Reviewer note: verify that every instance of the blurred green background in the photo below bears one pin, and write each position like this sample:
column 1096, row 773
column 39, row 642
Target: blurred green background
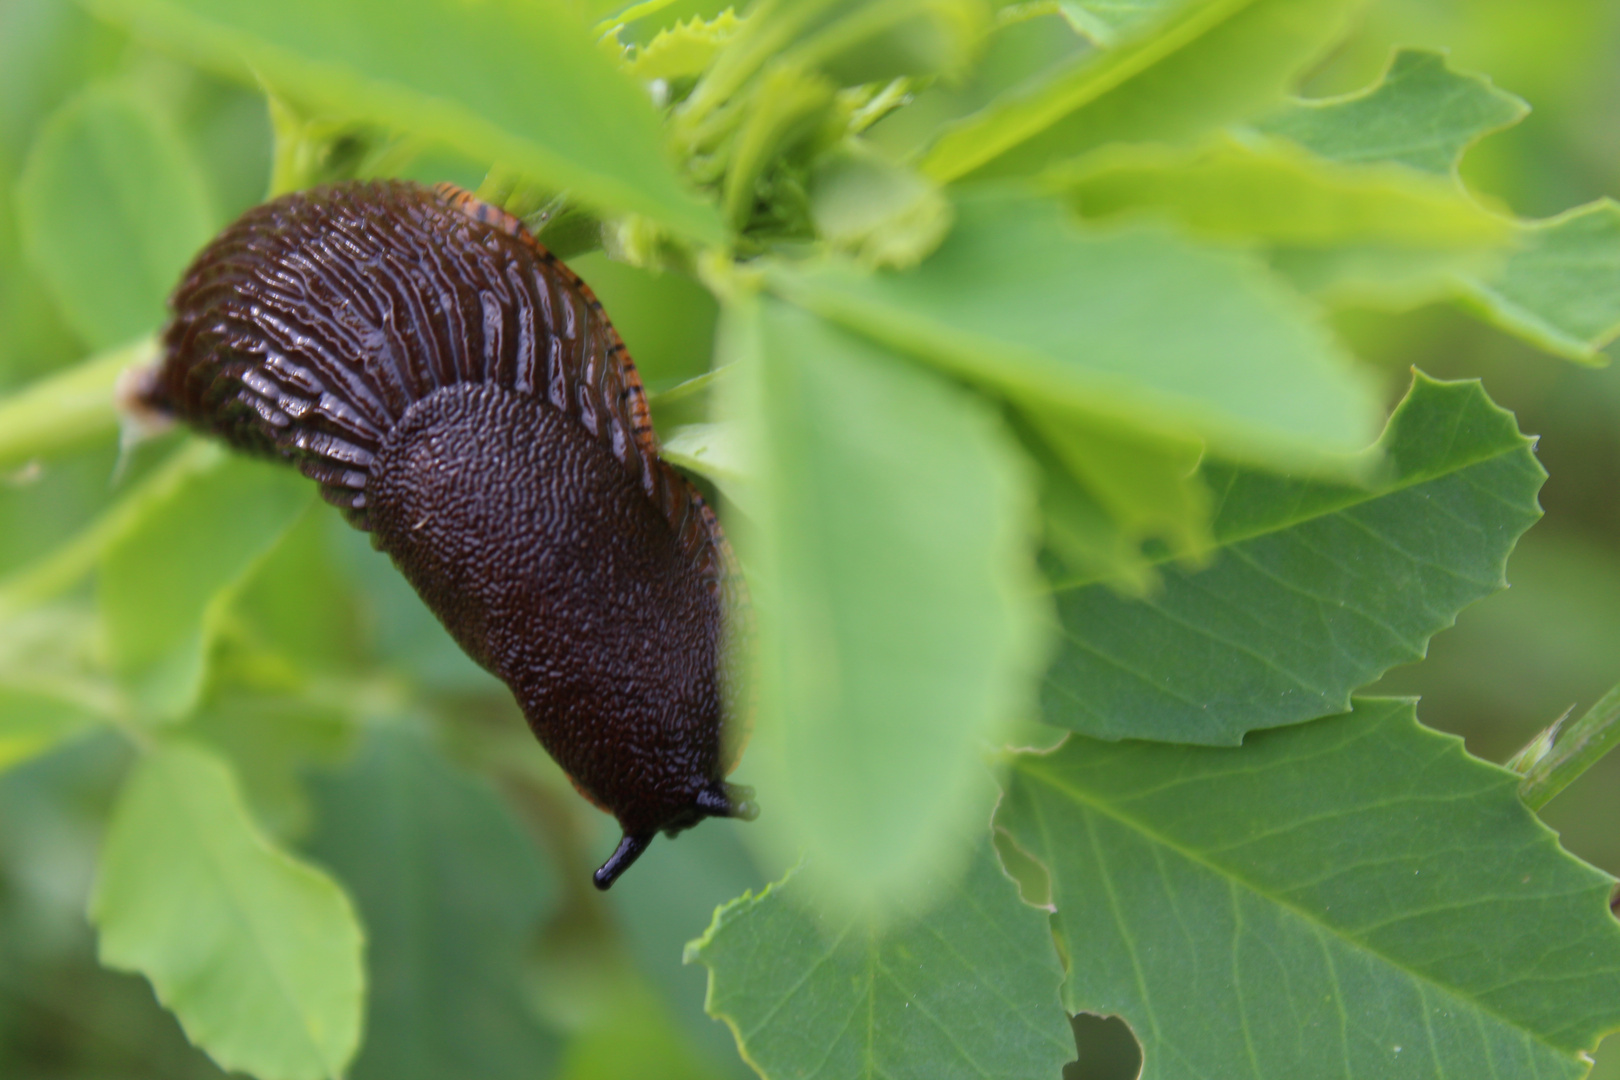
column 1513, row 664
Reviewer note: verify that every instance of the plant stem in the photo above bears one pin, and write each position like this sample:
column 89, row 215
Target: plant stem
column 1580, row 747
column 70, row 562
column 67, row 409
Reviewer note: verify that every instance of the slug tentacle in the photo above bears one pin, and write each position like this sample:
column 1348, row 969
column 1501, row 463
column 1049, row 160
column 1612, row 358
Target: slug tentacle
column 458, row 392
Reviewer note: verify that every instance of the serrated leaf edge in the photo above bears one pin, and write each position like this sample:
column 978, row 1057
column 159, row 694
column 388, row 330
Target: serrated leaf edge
column 1506, row 782
column 288, row 863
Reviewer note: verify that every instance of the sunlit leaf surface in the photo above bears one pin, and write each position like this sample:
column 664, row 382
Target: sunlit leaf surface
column 1137, row 326
column 512, row 82
column 1421, row 114
column 963, row 988
column 1271, row 191
column 898, row 615
column 1561, row 289
column 1350, row 898
column 1313, row 589
column 113, row 208
column 256, row 953
column 1213, row 63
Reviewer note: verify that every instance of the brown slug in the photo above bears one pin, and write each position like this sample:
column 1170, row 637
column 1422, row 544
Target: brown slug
column 459, row 393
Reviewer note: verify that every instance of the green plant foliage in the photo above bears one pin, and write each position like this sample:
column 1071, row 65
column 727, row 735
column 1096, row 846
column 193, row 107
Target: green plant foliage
column 963, row 987
column 712, row 452
column 683, row 50
column 1313, row 589
column 510, row 82
column 879, row 681
column 166, row 579
column 1146, row 489
column 1027, row 350
column 1353, row 897
column 450, row 889
column 686, row 883
column 1557, row 288
column 1561, row 288
column 1421, row 117
column 67, row 410
column 257, row 954
column 1421, row 114
column 113, row 207
column 1214, row 62
column 1063, row 322
column 33, row 719
column 274, row 738
column 772, row 102
column 1272, row 192
column 1108, row 21
column 882, row 213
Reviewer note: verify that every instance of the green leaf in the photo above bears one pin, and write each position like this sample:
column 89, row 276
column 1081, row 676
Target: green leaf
column 73, row 558
column 1212, row 63
column 714, row 452
column 298, row 605
column 784, row 106
column 47, row 51
column 1389, row 276
column 666, row 320
column 167, row 577
column 33, row 719
column 678, row 888
column 1350, row 898
column 1315, row 588
column 1108, row 22
column 683, row 50
column 518, row 83
column 452, row 891
column 898, row 615
column 769, row 71
column 1134, row 327
column 1079, row 531
column 273, row 736
column 1149, row 488
column 256, row 953
column 1270, row 190
column 1421, row 114
column 1561, row 289
column 113, row 207
column 882, row 213
column 68, row 409
column 55, row 650
column 634, row 1035
column 961, row 987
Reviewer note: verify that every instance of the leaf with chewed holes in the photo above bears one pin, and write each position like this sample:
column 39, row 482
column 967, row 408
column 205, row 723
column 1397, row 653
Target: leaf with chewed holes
column 963, row 987
column 1351, row 898
column 1312, row 588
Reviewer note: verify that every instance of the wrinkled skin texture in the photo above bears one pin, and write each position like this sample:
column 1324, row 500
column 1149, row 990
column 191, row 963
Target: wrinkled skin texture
column 569, row 587
column 459, row 393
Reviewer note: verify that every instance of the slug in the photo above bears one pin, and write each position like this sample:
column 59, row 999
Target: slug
column 461, row 395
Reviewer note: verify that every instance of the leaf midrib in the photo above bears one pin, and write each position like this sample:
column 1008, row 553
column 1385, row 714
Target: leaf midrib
column 1164, row 842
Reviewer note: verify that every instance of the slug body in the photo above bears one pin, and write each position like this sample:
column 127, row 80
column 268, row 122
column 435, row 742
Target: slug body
column 461, row 395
